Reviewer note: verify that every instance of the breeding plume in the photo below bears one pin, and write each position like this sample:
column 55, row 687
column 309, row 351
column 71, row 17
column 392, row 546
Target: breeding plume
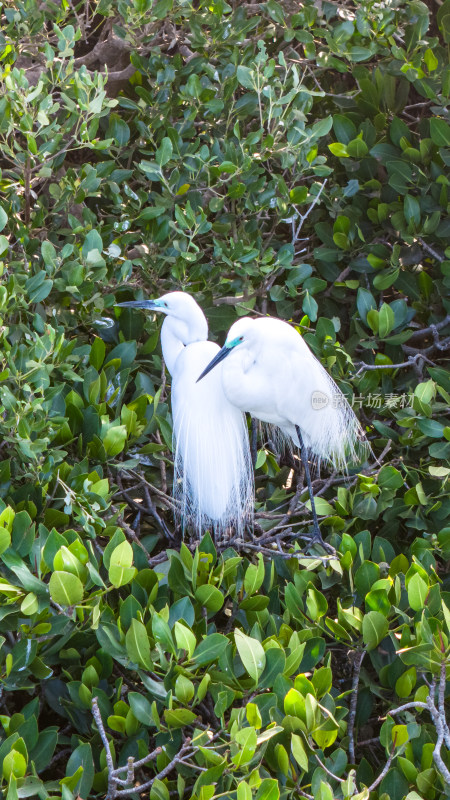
column 269, row 371
column 213, row 477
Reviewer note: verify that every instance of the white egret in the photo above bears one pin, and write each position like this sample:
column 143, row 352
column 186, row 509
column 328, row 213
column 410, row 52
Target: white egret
column 271, row 373
column 213, row 476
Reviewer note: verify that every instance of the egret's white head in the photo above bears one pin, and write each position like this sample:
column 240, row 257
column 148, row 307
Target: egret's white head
column 175, row 304
column 241, row 333
column 190, row 321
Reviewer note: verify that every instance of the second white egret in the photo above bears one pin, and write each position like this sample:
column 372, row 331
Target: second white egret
column 271, row 373
column 213, row 476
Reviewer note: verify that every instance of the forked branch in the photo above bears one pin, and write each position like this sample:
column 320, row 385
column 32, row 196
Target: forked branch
column 114, row 780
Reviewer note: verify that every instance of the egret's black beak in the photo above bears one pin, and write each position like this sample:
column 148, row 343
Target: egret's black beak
column 216, row 360
column 147, row 305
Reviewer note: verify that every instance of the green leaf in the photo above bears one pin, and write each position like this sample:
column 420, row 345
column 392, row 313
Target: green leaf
column 138, row 645
column 5, row 540
column 269, row 789
column 244, row 791
column 344, row 128
column 310, row 307
column 294, row 704
column 374, row 628
column 298, row 194
column 162, row 633
column 386, row 320
column 118, row 130
column 431, row 427
column 82, row 758
column 246, row 740
column 14, row 765
column 210, row 597
column 65, row 588
column 245, row 77
column 114, row 440
column 179, row 718
column 3, row 218
column 164, row 152
column 299, row 752
column 48, row 253
column 254, row 576
column 159, row 790
column 141, row 708
column 251, row 653
column 440, row 132
column 97, row 354
column 411, row 209
column 4, row 244
column 184, row 638
column 417, row 592
column 316, row 603
column 120, row 570
column 389, row 478
column 210, row 649
column 357, row 148
column 360, row 53
column 338, row 149
column 365, row 302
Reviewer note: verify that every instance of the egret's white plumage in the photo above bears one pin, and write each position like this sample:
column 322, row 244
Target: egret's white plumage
column 213, row 479
column 269, row 371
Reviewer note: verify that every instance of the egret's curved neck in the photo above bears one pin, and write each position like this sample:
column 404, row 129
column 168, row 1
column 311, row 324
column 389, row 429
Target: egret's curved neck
column 177, row 333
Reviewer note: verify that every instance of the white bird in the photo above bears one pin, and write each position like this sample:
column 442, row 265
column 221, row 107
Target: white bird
column 271, row 373
column 213, row 476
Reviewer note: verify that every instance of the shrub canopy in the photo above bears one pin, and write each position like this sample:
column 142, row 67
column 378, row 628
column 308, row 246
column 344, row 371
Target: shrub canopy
column 267, row 157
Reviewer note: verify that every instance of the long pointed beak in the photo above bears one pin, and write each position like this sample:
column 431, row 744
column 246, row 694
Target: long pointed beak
column 148, row 305
column 216, row 360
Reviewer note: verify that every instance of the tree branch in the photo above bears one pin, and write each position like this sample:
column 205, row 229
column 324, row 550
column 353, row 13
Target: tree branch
column 354, row 699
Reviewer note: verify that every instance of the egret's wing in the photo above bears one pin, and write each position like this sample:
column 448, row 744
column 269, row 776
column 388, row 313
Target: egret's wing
column 213, row 471
column 312, row 400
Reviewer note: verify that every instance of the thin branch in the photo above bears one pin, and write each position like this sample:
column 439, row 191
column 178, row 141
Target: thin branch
column 383, row 772
column 186, row 752
column 438, row 717
column 430, row 250
column 328, row 771
column 296, row 231
column 438, row 344
column 412, row 360
column 422, row 333
column 354, row 699
column 439, row 725
column 109, row 759
column 155, row 514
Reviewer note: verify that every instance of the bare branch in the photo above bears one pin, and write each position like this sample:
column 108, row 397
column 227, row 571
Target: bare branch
column 296, row 230
column 186, row 752
column 412, row 360
column 430, row 250
column 439, row 720
column 112, row 783
column 383, row 772
column 422, row 333
column 354, row 699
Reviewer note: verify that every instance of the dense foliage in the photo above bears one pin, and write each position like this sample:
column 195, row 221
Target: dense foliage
column 272, row 157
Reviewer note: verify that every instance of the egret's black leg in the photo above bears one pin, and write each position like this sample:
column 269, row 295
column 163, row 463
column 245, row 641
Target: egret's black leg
column 304, row 456
column 254, row 440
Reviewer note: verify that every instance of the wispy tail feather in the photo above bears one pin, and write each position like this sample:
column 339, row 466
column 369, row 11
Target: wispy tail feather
column 213, row 477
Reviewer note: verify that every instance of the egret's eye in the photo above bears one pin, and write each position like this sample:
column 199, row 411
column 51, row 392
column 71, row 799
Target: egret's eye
column 241, row 338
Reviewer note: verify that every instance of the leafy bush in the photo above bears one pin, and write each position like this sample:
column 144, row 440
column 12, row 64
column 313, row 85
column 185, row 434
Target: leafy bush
column 270, row 158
